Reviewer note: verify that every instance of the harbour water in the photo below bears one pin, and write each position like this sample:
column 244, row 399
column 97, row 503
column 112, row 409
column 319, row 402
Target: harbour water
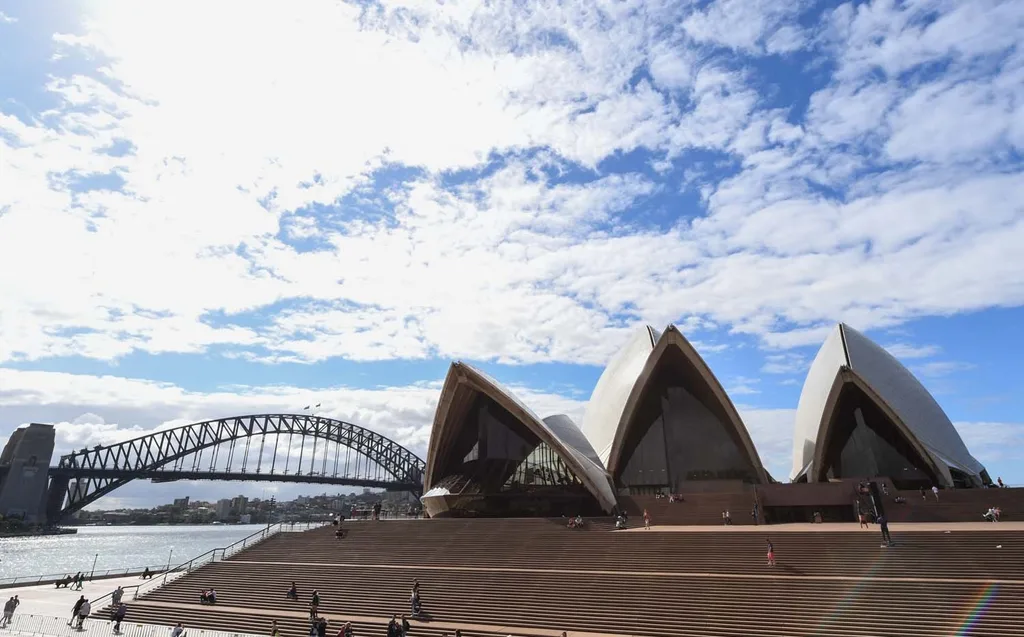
column 113, row 547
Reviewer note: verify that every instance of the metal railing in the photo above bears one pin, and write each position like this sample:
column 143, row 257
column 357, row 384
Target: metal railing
column 60, row 627
column 28, row 580
column 213, row 555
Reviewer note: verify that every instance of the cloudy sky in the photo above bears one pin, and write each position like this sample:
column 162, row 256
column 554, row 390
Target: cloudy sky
column 218, row 208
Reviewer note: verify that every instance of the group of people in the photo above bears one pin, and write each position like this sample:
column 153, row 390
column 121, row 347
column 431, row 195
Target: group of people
column 207, row 596
column 397, row 627
column 74, row 583
column 9, row 607
column 576, row 522
column 993, row 514
column 80, row 612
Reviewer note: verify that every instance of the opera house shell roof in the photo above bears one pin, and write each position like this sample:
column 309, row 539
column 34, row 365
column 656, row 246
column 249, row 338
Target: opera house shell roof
column 863, row 414
column 488, row 448
column 658, row 416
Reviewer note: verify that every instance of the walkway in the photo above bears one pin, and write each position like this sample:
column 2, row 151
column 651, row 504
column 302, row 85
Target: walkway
column 44, row 599
column 636, row 526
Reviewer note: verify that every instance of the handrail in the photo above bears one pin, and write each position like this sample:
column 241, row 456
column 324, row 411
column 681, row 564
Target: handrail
column 211, row 556
column 28, row 624
column 7, row 582
column 98, row 605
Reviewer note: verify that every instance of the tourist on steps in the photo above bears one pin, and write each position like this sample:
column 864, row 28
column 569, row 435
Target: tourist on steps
column 771, row 552
column 647, row 520
column 314, row 604
column 935, row 492
column 345, row 630
column 321, row 627
column 116, row 596
column 274, row 630
column 293, row 592
column 74, row 610
column 122, row 610
column 178, row 631
column 146, row 574
column 883, row 525
column 83, row 613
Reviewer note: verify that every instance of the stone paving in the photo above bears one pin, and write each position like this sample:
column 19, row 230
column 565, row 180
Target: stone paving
column 44, row 599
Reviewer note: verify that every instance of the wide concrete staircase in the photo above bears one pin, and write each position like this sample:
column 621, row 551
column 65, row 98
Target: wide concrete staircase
column 500, row 577
column 693, row 509
column 955, row 505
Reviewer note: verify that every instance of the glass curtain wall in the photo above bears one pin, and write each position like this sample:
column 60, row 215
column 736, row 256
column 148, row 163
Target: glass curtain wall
column 508, row 470
column 865, row 443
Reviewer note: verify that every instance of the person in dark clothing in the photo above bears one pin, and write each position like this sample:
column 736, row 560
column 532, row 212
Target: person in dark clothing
column 393, row 629
column 314, row 604
column 293, row 592
column 74, row 611
column 122, row 610
column 321, row 627
column 883, row 524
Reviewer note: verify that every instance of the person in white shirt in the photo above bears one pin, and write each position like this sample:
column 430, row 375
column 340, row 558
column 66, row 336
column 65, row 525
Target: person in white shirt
column 935, row 492
column 83, row 612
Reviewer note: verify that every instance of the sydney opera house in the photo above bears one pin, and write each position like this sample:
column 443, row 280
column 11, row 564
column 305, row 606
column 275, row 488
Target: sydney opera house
column 660, row 422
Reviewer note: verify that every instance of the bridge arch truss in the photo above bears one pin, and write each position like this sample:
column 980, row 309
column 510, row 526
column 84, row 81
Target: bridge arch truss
column 197, row 452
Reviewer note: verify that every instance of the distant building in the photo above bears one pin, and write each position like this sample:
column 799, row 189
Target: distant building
column 223, row 510
column 180, row 504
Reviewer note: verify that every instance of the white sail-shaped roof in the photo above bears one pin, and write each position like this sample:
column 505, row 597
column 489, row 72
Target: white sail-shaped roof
column 601, row 419
column 464, row 382
column 863, row 361
column 701, row 380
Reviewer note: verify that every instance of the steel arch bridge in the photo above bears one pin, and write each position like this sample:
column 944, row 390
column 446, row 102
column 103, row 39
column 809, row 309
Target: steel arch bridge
column 212, row 450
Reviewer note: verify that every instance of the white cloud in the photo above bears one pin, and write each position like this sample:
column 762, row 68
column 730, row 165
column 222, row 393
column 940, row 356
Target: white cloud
column 879, row 207
column 748, row 25
column 786, row 363
column 743, row 386
column 941, row 368
column 4, row 18
column 906, row 350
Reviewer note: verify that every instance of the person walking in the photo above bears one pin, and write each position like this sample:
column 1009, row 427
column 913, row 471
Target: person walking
column 883, row 525
column 771, row 552
column 83, row 613
column 274, row 630
column 178, row 630
column 74, row 610
column 8, row 612
column 647, row 520
column 935, row 492
column 122, row 610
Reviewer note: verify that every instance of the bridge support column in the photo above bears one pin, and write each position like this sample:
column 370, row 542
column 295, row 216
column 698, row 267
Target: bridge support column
column 27, row 458
column 55, row 498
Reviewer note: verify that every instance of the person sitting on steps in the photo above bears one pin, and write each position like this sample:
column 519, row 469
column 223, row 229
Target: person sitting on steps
column 293, row 592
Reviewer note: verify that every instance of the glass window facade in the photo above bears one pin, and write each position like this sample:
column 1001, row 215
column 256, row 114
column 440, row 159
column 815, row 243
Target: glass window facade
column 678, row 433
column 498, row 467
column 864, row 443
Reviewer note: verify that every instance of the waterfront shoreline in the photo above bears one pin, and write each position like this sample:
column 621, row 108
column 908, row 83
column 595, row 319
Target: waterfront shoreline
column 39, row 532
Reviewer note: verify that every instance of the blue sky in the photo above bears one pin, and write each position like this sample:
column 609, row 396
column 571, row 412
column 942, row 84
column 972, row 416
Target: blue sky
column 329, row 205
